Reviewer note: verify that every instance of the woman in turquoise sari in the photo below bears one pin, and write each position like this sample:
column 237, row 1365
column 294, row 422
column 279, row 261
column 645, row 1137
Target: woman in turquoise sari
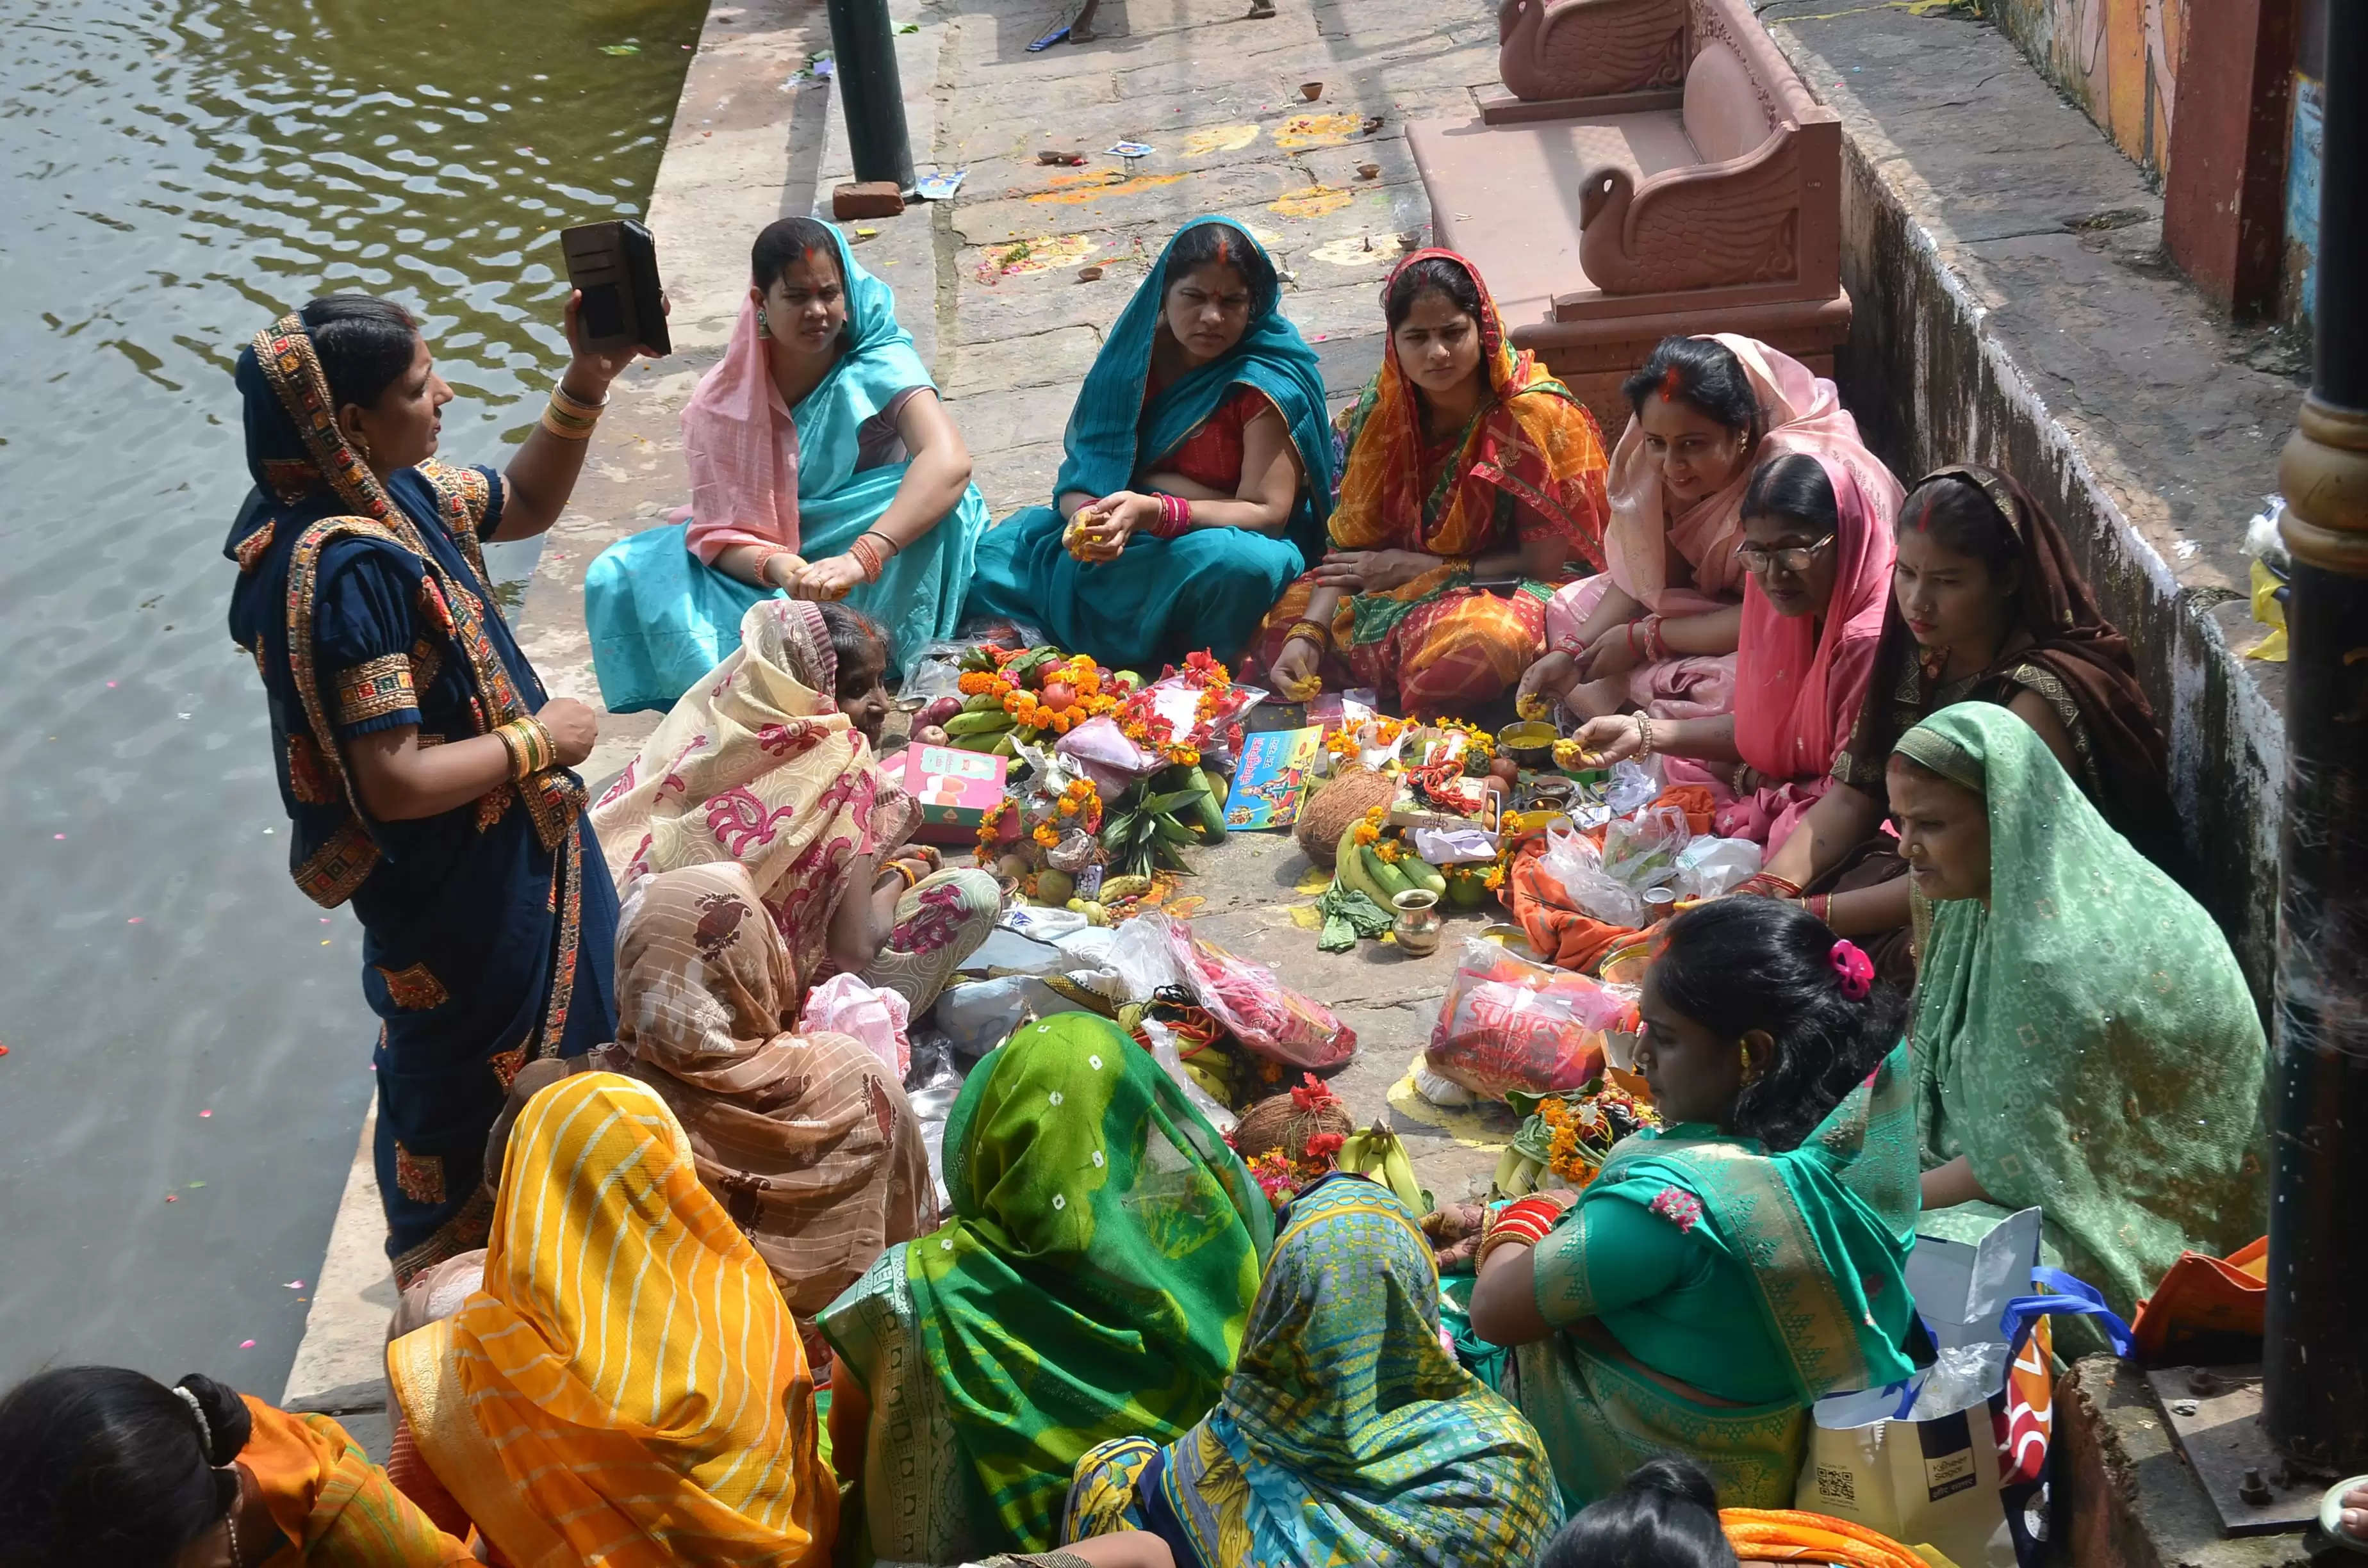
column 2084, row 1040
column 1197, row 475
column 822, row 466
column 1092, row 1280
column 1347, row 1433
column 1721, row 1275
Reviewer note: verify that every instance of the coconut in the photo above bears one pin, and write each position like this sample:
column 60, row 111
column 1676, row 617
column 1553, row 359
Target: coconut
column 1328, row 813
column 1056, row 888
column 1277, row 1122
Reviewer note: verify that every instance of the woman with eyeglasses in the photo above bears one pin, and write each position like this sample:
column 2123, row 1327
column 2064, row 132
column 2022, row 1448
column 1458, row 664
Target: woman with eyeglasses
column 1818, row 560
column 1988, row 605
column 1659, row 631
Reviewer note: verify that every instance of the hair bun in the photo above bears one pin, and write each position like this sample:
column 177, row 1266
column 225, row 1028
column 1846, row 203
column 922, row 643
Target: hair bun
column 227, row 1424
column 1675, row 1478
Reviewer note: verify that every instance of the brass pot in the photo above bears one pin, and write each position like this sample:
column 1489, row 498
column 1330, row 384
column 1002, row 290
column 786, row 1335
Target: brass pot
column 1418, row 923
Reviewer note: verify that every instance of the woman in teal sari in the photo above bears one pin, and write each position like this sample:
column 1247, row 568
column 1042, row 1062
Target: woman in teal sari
column 2084, row 1042
column 1348, row 1432
column 1720, row 1275
column 1198, row 474
column 1092, row 1280
column 822, row 466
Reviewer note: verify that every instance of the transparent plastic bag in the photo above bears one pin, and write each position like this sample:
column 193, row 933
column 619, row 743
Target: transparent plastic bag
column 1630, row 787
column 1572, row 859
column 1171, row 1061
column 1266, row 1018
column 1507, row 1023
column 1642, row 850
column 1708, row 866
column 877, row 1016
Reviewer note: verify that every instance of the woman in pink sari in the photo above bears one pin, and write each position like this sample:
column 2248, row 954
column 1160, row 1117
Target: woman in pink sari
column 1818, row 556
column 1659, row 631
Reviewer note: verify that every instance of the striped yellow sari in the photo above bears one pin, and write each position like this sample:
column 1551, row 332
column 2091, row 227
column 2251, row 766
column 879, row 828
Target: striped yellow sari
column 628, row 1389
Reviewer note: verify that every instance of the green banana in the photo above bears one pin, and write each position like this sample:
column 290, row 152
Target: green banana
column 1008, row 746
column 979, row 724
column 1349, row 868
column 1378, row 1153
column 982, row 702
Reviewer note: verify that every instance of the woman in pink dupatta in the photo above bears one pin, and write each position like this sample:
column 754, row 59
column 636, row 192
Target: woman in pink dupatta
column 1818, row 555
column 1657, row 632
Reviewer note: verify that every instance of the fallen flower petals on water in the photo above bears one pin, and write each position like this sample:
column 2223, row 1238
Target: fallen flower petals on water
column 205, row 1113
column 246, row 1344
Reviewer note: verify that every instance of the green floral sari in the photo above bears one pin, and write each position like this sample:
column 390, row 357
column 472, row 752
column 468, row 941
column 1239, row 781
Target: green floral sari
column 1093, row 1283
column 2084, row 1038
column 1709, row 1292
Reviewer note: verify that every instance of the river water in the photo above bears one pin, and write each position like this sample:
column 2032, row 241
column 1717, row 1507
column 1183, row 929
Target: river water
column 187, row 1047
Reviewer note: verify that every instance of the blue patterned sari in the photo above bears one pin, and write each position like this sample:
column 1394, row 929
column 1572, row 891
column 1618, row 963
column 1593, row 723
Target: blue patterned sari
column 487, row 931
column 1162, row 598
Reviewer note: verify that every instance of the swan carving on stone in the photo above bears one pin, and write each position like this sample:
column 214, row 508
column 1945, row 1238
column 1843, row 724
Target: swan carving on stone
column 1578, row 49
column 1704, row 227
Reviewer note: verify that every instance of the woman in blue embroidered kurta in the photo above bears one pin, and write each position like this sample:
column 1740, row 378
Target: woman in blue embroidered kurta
column 1198, row 473
column 425, row 776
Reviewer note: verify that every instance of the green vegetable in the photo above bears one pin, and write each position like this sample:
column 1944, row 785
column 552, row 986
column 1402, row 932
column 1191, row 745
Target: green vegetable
column 1421, row 873
column 1388, row 878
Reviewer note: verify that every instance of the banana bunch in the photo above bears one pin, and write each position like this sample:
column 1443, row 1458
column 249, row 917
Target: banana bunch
column 1517, row 1174
column 1217, row 1074
column 1361, row 868
column 1378, row 1153
column 984, row 726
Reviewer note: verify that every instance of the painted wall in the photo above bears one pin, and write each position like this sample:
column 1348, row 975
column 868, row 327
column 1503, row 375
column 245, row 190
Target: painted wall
column 2117, row 59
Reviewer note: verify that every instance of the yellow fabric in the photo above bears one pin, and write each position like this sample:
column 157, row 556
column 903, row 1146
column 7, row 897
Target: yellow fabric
column 628, row 1389
column 2269, row 612
column 336, row 1507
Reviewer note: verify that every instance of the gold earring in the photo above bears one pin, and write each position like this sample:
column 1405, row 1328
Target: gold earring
column 763, row 330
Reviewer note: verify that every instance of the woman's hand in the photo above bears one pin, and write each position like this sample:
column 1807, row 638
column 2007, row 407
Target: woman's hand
column 1612, row 654
column 833, row 577
column 574, row 728
column 1104, row 527
column 1455, row 1231
column 1607, row 741
column 1549, row 680
column 1295, row 670
column 1371, row 571
column 589, row 372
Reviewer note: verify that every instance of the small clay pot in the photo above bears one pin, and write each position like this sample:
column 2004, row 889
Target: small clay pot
column 1369, row 171
column 1417, row 925
column 1311, row 91
column 1089, row 274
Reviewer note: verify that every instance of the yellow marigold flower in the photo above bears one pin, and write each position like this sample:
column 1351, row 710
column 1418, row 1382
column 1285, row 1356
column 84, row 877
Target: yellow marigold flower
column 1494, row 877
column 1068, row 807
column 1366, row 832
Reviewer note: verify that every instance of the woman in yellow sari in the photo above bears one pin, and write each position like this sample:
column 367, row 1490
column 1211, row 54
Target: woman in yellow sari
column 628, row 1389
column 1464, row 461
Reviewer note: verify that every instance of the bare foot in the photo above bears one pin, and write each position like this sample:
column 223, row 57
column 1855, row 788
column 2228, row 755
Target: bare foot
column 1081, row 29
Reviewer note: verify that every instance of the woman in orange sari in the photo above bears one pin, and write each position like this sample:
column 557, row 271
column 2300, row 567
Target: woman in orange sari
column 104, row 1465
column 1464, row 461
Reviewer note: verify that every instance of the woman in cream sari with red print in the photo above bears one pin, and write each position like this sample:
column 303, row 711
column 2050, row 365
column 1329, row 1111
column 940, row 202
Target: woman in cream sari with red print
column 768, row 761
column 1464, row 459
column 424, row 774
column 627, row 1389
column 1659, row 631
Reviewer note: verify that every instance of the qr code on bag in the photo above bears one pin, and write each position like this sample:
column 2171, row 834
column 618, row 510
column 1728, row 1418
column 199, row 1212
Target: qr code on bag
column 1836, row 1485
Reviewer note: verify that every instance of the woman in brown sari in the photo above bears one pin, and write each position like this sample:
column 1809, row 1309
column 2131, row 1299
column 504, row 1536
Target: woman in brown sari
column 1986, row 606
column 806, row 1140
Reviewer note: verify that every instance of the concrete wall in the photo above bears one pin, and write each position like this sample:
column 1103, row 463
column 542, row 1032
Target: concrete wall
column 2117, row 59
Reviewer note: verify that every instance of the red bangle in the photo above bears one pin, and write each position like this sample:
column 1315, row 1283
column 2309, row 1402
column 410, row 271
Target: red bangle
column 867, row 556
column 1174, row 517
column 1655, row 646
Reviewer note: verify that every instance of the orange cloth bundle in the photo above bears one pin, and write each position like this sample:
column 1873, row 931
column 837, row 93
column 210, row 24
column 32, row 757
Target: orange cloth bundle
column 1787, row 1535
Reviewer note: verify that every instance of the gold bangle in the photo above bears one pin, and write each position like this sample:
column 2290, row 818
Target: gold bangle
column 557, row 423
column 532, row 749
column 1645, row 736
column 587, row 411
column 1313, row 631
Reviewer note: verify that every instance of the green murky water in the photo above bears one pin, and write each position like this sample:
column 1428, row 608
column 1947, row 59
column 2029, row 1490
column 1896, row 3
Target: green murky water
column 177, row 174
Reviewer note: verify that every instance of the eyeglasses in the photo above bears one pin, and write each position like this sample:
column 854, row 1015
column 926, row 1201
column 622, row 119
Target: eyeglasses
column 1793, row 558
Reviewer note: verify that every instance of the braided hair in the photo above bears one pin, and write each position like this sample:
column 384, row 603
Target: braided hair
column 1740, row 964
column 103, row 1467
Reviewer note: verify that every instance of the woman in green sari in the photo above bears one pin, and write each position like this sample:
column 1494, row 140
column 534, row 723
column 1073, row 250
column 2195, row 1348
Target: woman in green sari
column 1721, row 1275
column 2084, row 1042
column 1093, row 1283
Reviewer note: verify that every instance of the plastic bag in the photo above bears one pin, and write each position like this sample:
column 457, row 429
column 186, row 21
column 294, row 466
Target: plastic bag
column 1177, row 700
column 1171, row 1061
column 1266, row 1016
column 1145, row 959
column 1505, row 1023
column 936, row 669
column 1708, row 866
column 1103, row 753
column 1572, row 859
column 844, row 1005
column 1642, row 850
column 1629, row 787
column 979, row 1015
